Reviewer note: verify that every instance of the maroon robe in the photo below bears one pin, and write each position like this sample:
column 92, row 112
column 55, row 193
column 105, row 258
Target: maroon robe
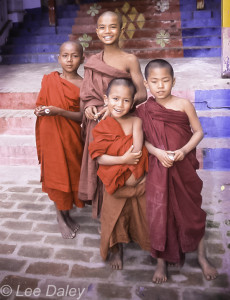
column 176, row 220
column 96, row 78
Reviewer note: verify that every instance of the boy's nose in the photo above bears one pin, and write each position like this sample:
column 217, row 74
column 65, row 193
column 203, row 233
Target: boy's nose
column 160, row 84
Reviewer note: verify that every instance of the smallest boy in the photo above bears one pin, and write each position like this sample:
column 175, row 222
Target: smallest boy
column 173, row 188
column 58, row 136
column 123, row 161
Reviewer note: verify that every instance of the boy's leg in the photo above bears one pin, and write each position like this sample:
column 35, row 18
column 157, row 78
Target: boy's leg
column 116, row 257
column 160, row 274
column 208, row 270
column 65, row 229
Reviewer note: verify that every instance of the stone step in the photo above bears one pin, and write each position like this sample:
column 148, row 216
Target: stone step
column 142, row 26
column 21, row 150
column 17, row 122
column 18, row 101
column 18, row 150
column 215, row 123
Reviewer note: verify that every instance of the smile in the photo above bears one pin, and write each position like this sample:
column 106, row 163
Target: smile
column 108, row 38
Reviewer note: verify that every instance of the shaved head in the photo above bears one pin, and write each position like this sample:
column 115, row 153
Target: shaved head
column 75, row 44
column 111, row 14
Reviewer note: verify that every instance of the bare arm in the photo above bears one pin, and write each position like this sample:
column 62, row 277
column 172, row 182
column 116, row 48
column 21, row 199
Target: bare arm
column 137, row 78
column 137, row 134
column 128, row 158
column 197, row 132
column 57, row 111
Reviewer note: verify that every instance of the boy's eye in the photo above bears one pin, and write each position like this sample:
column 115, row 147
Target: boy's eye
column 115, row 98
column 127, row 100
column 166, row 80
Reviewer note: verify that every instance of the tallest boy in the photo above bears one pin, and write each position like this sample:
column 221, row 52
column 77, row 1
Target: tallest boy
column 100, row 69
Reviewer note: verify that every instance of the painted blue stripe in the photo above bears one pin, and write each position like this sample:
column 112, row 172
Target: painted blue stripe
column 216, row 127
column 216, row 159
column 203, row 52
column 211, row 99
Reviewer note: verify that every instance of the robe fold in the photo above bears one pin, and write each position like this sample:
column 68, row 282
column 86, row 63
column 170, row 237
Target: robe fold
column 109, row 138
column 96, row 79
column 123, row 213
column 58, row 140
column 176, row 220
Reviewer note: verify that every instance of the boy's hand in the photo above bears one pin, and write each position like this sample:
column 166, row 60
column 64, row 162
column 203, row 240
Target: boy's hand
column 47, row 111
column 131, row 158
column 91, row 113
column 163, row 157
column 104, row 113
column 179, row 155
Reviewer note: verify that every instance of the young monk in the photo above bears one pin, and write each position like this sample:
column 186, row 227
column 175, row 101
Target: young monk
column 173, row 188
column 123, row 161
column 58, row 136
column 111, row 63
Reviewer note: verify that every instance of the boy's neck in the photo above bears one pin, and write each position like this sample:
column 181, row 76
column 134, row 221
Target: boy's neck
column 69, row 76
column 109, row 49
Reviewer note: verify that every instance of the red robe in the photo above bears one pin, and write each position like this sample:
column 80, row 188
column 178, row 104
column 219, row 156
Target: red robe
column 59, row 144
column 123, row 217
column 176, row 220
column 114, row 142
column 96, row 78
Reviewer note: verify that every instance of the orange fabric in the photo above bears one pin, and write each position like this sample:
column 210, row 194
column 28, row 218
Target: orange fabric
column 58, row 139
column 109, row 138
column 123, row 219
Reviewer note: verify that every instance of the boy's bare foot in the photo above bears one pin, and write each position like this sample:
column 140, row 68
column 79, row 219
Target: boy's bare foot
column 71, row 223
column 160, row 274
column 208, row 270
column 116, row 257
column 66, row 231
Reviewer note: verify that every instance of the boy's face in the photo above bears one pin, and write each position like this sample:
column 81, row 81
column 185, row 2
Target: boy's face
column 160, row 83
column 108, row 29
column 119, row 100
column 70, row 57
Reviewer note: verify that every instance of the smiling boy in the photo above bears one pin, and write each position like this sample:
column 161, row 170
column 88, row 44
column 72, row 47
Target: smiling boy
column 100, row 69
column 123, row 162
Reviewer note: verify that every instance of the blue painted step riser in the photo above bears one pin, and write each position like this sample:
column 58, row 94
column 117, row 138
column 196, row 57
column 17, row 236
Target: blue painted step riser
column 216, row 159
column 209, row 31
column 202, row 41
column 216, row 126
column 212, row 99
column 33, row 48
column 60, row 38
column 212, row 22
column 30, row 58
column 204, row 52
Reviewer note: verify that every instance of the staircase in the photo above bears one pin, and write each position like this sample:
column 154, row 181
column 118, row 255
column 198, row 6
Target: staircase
column 159, row 28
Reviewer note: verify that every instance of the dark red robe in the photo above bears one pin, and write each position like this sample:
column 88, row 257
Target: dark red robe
column 176, row 220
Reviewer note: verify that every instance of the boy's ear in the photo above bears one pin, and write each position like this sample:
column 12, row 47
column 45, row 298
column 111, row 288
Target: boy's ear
column 146, row 84
column 82, row 59
column 174, row 81
column 105, row 100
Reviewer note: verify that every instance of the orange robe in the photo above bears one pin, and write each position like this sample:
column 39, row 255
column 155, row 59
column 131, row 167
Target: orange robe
column 114, row 142
column 96, row 78
column 123, row 217
column 173, row 195
column 58, row 140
